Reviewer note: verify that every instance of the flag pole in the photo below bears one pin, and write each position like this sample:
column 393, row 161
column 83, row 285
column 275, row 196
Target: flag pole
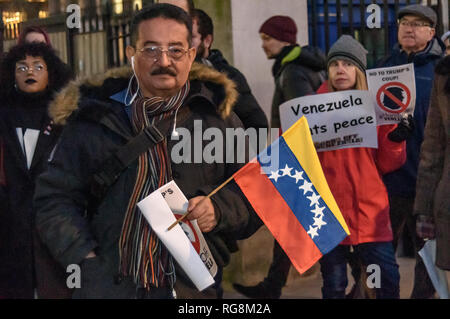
column 209, row 196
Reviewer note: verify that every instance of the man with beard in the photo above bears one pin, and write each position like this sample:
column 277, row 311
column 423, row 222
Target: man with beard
column 246, row 107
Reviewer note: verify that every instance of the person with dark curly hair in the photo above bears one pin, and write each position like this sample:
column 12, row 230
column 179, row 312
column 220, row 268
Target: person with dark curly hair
column 29, row 76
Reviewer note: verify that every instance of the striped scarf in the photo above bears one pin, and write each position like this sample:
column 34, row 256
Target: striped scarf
column 142, row 255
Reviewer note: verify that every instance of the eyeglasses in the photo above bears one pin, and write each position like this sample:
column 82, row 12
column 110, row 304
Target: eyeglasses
column 155, row 52
column 21, row 68
column 413, row 24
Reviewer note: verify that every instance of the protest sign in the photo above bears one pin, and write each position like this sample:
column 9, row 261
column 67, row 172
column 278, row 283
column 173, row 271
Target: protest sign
column 159, row 215
column 393, row 90
column 337, row 120
column 437, row 276
column 178, row 203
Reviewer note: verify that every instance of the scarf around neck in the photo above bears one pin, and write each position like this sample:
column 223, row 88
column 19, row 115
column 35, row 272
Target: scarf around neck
column 142, row 255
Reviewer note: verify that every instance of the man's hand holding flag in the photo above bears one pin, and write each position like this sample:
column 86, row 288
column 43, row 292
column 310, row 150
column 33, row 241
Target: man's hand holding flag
column 294, row 200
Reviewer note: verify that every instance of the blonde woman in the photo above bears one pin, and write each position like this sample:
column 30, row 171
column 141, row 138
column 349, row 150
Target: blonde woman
column 354, row 176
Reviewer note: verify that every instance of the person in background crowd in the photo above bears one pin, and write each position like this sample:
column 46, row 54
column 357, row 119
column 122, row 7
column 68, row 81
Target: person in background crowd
column 119, row 254
column 30, row 74
column 186, row 5
column 34, row 34
column 354, row 177
column 446, row 39
column 417, row 44
column 246, row 107
column 432, row 203
column 297, row 71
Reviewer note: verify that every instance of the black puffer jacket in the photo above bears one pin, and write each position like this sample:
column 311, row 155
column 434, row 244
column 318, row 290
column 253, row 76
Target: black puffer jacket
column 25, row 264
column 298, row 71
column 246, row 107
column 69, row 221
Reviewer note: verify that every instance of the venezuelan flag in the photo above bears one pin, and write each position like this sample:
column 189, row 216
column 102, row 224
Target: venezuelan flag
column 293, row 198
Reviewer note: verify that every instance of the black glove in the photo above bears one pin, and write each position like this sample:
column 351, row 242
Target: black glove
column 403, row 131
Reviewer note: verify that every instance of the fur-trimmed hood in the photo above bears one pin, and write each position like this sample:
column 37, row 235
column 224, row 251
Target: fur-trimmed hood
column 67, row 101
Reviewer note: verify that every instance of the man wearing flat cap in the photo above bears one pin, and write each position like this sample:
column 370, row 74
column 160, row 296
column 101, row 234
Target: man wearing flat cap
column 417, row 44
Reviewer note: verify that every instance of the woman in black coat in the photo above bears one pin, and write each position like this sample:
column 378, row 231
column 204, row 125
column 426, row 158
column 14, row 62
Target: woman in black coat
column 30, row 74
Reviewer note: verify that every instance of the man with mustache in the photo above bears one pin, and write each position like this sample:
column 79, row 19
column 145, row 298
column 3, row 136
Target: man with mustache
column 86, row 201
column 417, row 44
column 163, row 70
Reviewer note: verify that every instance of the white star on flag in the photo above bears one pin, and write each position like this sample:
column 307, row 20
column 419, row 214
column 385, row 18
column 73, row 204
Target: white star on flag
column 319, row 222
column 314, row 199
column 286, row 171
column 312, row 232
column 275, row 176
column 318, row 211
column 307, row 187
column 298, row 176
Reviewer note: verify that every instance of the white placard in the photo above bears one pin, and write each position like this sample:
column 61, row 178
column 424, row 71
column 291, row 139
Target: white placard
column 160, row 217
column 337, row 120
column 393, row 91
column 178, row 203
column 437, row 275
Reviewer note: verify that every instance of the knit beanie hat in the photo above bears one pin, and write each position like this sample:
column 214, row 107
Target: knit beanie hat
column 347, row 48
column 282, row 28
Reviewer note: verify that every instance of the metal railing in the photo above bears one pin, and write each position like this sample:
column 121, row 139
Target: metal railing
column 99, row 23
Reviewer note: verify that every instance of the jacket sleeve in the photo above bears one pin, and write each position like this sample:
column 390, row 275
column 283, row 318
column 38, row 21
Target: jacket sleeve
column 390, row 155
column 431, row 166
column 295, row 83
column 4, row 206
column 247, row 108
column 61, row 199
column 2, row 175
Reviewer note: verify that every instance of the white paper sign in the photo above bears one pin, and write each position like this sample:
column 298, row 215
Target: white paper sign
column 160, row 217
column 337, row 120
column 178, row 203
column 437, row 275
column 393, row 91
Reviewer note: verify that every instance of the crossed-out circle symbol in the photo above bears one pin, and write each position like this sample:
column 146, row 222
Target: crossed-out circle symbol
column 384, row 90
column 189, row 229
